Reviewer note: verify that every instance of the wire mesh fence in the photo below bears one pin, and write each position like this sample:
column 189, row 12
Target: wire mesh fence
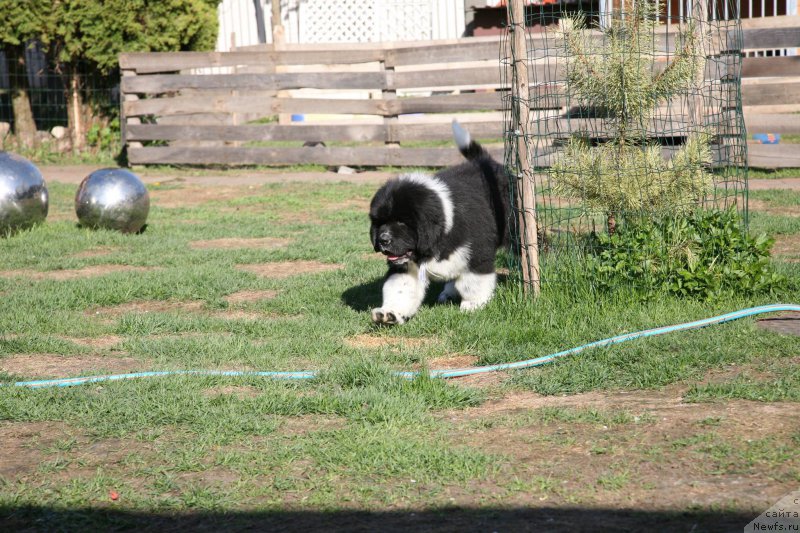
column 629, row 124
column 45, row 87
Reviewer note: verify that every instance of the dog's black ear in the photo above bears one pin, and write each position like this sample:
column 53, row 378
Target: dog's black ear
column 373, row 236
column 430, row 227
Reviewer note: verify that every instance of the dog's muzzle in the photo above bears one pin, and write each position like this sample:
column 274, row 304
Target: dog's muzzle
column 385, row 245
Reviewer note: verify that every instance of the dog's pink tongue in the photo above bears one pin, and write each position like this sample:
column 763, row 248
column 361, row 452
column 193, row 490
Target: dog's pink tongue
column 393, row 257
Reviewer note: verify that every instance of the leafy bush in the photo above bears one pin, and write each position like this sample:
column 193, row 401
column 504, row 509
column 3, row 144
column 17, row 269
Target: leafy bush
column 104, row 137
column 699, row 255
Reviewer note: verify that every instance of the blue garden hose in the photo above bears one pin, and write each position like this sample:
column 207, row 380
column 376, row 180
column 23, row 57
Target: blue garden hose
column 441, row 373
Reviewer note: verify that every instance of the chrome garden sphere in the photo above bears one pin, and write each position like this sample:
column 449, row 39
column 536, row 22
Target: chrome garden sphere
column 112, row 198
column 23, row 194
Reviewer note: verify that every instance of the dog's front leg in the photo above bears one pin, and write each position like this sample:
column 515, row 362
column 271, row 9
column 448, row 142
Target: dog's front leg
column 403, row 293
column 475, row 289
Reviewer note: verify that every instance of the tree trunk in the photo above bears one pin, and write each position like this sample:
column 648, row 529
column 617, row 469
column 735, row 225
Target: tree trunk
column 24, row 124
column 75, row 121
column 612, row 223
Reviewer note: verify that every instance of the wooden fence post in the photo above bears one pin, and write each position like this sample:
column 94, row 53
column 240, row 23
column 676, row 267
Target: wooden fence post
column 526, row 191
column 125, row 120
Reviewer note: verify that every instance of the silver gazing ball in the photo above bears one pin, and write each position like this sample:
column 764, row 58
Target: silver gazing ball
column 23, row 194
column 112, row 198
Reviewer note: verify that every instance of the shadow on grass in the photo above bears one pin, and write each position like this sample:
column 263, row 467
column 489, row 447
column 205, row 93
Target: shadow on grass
column 367, row 296
column 447, row 519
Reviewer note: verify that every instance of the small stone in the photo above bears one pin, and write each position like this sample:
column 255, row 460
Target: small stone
column 59, row 132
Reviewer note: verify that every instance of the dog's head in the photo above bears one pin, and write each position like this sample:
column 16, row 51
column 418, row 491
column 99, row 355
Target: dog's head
column 408, row 217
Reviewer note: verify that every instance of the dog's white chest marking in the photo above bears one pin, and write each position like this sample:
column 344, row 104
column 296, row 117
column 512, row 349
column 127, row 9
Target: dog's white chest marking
column 451, row 267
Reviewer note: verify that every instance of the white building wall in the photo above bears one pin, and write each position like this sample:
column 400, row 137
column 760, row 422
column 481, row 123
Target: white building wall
column 322, row 21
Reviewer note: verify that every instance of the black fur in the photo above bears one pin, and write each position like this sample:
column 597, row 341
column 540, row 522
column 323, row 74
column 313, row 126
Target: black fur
column 410, row 216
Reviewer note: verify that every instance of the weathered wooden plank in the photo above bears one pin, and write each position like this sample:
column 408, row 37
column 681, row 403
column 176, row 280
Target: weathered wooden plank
column 267, row 132
column 467, row 77
column 783, row 92
column 759, row 67
column 781, row 123
column 446, row 53
column 161, row 83
column 390, row 80
column 155, row 62
column 773, row 155
column 773, row 38
column 783, row 21
column 254, row 103
column 262, row 102
column 311, row 132
column 368, row 156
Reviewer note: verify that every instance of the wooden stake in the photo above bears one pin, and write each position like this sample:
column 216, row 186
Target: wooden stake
column 278, row 34
column 526, row 191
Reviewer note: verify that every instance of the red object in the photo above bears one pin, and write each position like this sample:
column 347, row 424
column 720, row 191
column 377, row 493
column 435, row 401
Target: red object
column 114, row 495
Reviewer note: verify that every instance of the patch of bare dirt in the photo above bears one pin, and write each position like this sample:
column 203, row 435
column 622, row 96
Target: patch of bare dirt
column 377, row 341
column 26, row 445
column 67, row 274
column 784, row 323
column 767, row 207
column 61, row 366
column 264, row 243
column 668, row 454
column 96, row 343
column 146, row 306
column 192, row 195
column 249, row 296
column 458, row 361
column 453, row 361
column 289, row 268
column 159, row 306
column 787, row 245
column 792, row 184
column 19, row 454
column 484, row 380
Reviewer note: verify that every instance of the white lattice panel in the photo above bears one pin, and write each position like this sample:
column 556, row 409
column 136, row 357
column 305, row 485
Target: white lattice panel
column 327, row 21
column 405, row 20
column 343, row 21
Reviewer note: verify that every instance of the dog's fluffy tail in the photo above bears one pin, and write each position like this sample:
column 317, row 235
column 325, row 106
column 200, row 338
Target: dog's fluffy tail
column 468, row 148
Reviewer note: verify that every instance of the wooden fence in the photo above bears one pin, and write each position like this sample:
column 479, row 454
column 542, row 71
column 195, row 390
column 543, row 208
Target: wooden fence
column 373, row 105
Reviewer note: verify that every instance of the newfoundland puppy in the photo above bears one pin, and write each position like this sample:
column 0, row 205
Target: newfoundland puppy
column 445, row 227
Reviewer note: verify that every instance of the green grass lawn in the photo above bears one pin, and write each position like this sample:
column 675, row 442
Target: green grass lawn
column 358, row 437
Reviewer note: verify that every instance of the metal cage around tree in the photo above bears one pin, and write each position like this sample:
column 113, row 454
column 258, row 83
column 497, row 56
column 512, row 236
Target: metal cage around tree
column 614, row 115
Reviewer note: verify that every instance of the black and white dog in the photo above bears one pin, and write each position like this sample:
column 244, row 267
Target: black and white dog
column 446, row 227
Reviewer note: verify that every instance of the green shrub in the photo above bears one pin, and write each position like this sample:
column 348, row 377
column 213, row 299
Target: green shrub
column 701, row 255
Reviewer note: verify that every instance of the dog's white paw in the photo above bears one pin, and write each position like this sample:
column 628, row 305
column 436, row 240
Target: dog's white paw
column 471, row 305
column 382, row 315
